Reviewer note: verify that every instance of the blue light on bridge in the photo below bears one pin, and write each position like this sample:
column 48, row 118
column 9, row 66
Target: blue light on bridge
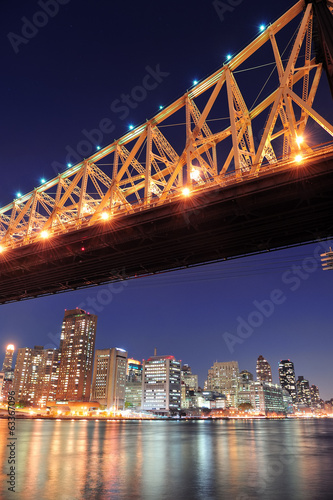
column 160, row 107
column 18, row 194
column 131, row 127
column 98, row 148
column 262, row 27
column 229, row 56
column 69, row 165
column 195, row 82
column 42, row 180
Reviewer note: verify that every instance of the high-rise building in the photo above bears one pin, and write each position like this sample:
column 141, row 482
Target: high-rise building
column 77, row 343
column 316, row 401
column 161, row 384
column 303, row 391
column 267, row 397
column 223, row 378
column 8, row 361
column 287, row 378
column 109, row 378
column 263, row 369
column 133, row 390
column 36, row 375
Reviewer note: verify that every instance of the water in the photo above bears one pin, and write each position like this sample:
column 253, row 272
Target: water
column 170, row 460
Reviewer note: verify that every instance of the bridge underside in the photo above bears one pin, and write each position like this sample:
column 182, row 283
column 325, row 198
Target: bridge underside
column 281, row 208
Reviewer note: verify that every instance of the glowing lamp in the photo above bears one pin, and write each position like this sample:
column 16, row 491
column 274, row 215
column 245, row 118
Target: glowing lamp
column 298, row 158
column 195, row 82
column 98, row 147
column 10, row 347
column 131, row 127
column 69, row 165
column 228, row 57
column 45, row 234
column 186, row 191
column 262, row 27
column 105, row 216
column 2, row 249
column 299, row 139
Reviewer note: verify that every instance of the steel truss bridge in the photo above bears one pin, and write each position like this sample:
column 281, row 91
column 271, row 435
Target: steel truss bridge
column 153, row 200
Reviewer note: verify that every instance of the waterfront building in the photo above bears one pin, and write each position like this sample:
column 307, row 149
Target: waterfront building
column 303, row 392
column 133, row 389
column 223, row 378
column 109, row 378
column 77, row 343
column 161, row 385
column 263, row 370
column 267, row 397
column 8, row 361
column 36, row 375
column 287, row 378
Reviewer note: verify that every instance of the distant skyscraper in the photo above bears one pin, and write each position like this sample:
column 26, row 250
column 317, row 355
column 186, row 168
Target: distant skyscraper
column 77, row 344
column 287, row 378
column 223, row 378
column 316, row 401
column 190, row 380
column 133, row 390
column 109, row 378
column 264, row 372
column 245, row 379
column 161, row 384
column 303, row 391
column 8, row 361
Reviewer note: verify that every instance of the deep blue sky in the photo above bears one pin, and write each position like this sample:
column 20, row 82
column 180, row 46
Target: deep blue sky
column 63, row 80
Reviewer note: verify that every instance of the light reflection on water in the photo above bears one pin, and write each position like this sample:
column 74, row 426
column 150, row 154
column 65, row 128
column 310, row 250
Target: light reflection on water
column 170, row 460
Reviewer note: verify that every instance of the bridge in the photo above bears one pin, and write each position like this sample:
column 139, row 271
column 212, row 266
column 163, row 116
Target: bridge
column 189, row 185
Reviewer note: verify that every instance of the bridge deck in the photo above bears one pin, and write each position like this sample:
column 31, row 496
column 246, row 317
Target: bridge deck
column 281, row 207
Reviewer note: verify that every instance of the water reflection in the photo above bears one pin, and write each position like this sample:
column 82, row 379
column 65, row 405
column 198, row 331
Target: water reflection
column 238, row 460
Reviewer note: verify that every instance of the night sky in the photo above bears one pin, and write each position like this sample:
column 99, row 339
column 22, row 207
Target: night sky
column 61, row 80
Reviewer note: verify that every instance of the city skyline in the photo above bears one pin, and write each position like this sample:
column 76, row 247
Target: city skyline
column 200, row 368
column 50, row 109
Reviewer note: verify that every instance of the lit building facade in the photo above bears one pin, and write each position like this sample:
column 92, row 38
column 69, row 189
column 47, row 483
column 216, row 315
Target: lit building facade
column 267, row 398
column 109, row 378
column 303, row 392
column 316, row 401
column 263, row 370
column 77, row 345
column 161, row 384
column 36, row 375
column 133, row 390
column 287, row 378
column 223, row 378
